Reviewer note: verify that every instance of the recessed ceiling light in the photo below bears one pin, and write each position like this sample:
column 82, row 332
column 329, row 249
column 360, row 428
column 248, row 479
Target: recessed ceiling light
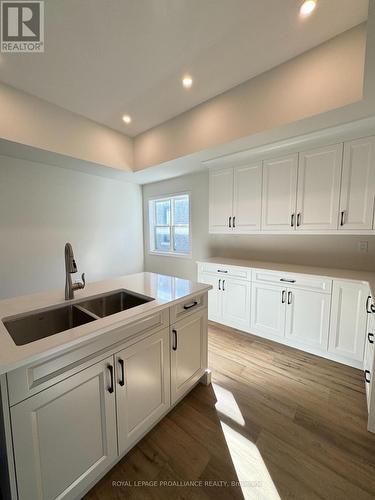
column 126, row 119
column 307, row 7
column 187, row 81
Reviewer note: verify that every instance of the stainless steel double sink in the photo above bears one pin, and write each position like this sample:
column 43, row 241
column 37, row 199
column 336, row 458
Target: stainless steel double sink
column 40, row 324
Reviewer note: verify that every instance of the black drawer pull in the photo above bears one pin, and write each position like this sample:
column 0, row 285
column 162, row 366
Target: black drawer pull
column 292, row 220
column 370, row 337
column 230, row 221
column 221, row 271
column 367, row 372
column 289, row 298
column 122, row 379
column 110, row 388
column 287, row 281
column 283, row 296
column 189, row 306
column 174, row 346
column 219, row 284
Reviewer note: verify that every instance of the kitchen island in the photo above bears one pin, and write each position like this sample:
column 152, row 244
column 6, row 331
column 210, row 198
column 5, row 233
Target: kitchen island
column 74, row 402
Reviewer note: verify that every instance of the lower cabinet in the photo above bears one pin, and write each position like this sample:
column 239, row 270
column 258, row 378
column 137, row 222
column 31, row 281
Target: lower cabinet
column 297, row 315
column 65, row 436
column 188, row 353
column 348, row 319
column 228, row 300
column 307, row 318
column 268, row 310
column 142, row 387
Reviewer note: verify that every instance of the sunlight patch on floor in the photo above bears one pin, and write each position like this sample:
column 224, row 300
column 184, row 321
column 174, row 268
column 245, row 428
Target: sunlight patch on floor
column 227, row 405
column 256, row 482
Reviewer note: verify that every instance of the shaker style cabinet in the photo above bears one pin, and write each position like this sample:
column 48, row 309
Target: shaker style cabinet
column 268, row 310
column 235, row 199
column 348, row 321
column 322, row 190
column 318, row 191
column 188, row 353
column 143, row 387
column 307, row 318
column 229, row 300
column 221, row 200
column 358, row 185
column 279, row 193
column 51, row 462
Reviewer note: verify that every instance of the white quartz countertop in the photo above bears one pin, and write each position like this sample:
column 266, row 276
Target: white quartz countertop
column 165, row 290
column 326, row 272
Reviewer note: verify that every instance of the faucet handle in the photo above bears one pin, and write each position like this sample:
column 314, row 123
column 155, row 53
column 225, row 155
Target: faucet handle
column 83, row 280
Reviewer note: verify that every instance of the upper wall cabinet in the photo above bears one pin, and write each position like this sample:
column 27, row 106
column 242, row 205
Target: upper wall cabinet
column 279, row 193
column 235, row 199
column 323, row 190
column 221, row 200
column 318, row 192
column 358, row 185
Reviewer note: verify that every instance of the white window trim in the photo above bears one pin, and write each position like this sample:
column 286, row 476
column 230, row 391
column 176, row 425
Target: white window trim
column 162, row 197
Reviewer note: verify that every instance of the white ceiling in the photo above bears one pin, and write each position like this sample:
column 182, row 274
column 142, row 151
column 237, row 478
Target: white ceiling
column 105, row 58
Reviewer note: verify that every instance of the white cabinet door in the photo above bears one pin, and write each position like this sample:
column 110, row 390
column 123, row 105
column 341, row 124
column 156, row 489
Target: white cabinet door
column 319, row 175
column 268, row 310
column 236, row 302
column 65, row 436
column 247, row 198
column 307, row 318
column 214, row 296
column 221, row 201
column 188, row 353
column 142, row 387
column 279, row 193
column 348, row 319
column 358, row 185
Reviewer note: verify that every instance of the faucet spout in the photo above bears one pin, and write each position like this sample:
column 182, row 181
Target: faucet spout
column 71, row 268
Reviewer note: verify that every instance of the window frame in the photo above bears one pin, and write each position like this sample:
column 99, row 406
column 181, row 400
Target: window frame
column 152, row 226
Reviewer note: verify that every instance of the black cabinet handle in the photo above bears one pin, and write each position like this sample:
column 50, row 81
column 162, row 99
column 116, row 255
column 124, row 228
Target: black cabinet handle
column 367, row 372
column 174, row 346
column 122, row 379
column 367, row 304
column 370, row 337
column 220, row 284
column 234, row 221
column 189, row 306
column 342, row 218
column 223, row 285
column 221, row 271
column 287, row 281
column 289, row 298
column 298, row 219
column 110, row 388
column 283, row 296
column 292, row 220
column 230, row 221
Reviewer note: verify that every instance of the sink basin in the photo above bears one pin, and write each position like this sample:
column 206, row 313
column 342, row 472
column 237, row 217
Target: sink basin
column 114, row 303
column 38, row 325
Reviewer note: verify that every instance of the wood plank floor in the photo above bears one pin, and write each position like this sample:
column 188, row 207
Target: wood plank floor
column 283, row 423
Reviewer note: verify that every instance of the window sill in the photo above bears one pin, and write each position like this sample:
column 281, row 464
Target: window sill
column 171, row 254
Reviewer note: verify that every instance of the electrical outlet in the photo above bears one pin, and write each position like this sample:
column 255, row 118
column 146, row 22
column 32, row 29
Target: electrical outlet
column 363, row 246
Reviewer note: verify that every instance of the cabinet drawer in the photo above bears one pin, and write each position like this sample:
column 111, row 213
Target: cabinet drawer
column 188, row 306
column 291, row 280
column 224, row 270
column 31, row 379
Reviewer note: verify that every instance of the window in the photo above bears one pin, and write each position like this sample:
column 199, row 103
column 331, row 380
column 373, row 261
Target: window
column 170, row 225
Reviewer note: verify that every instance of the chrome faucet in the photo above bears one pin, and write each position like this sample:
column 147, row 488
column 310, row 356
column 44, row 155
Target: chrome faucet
column 71, row 268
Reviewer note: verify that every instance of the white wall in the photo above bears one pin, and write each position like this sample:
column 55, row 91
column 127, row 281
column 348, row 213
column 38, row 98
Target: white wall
column 43, row 206
column 197, row 185
column 326, row 251
column 28, row 120
column 324, row 78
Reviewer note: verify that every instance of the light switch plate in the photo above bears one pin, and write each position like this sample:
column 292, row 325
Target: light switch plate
column 363, row 246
